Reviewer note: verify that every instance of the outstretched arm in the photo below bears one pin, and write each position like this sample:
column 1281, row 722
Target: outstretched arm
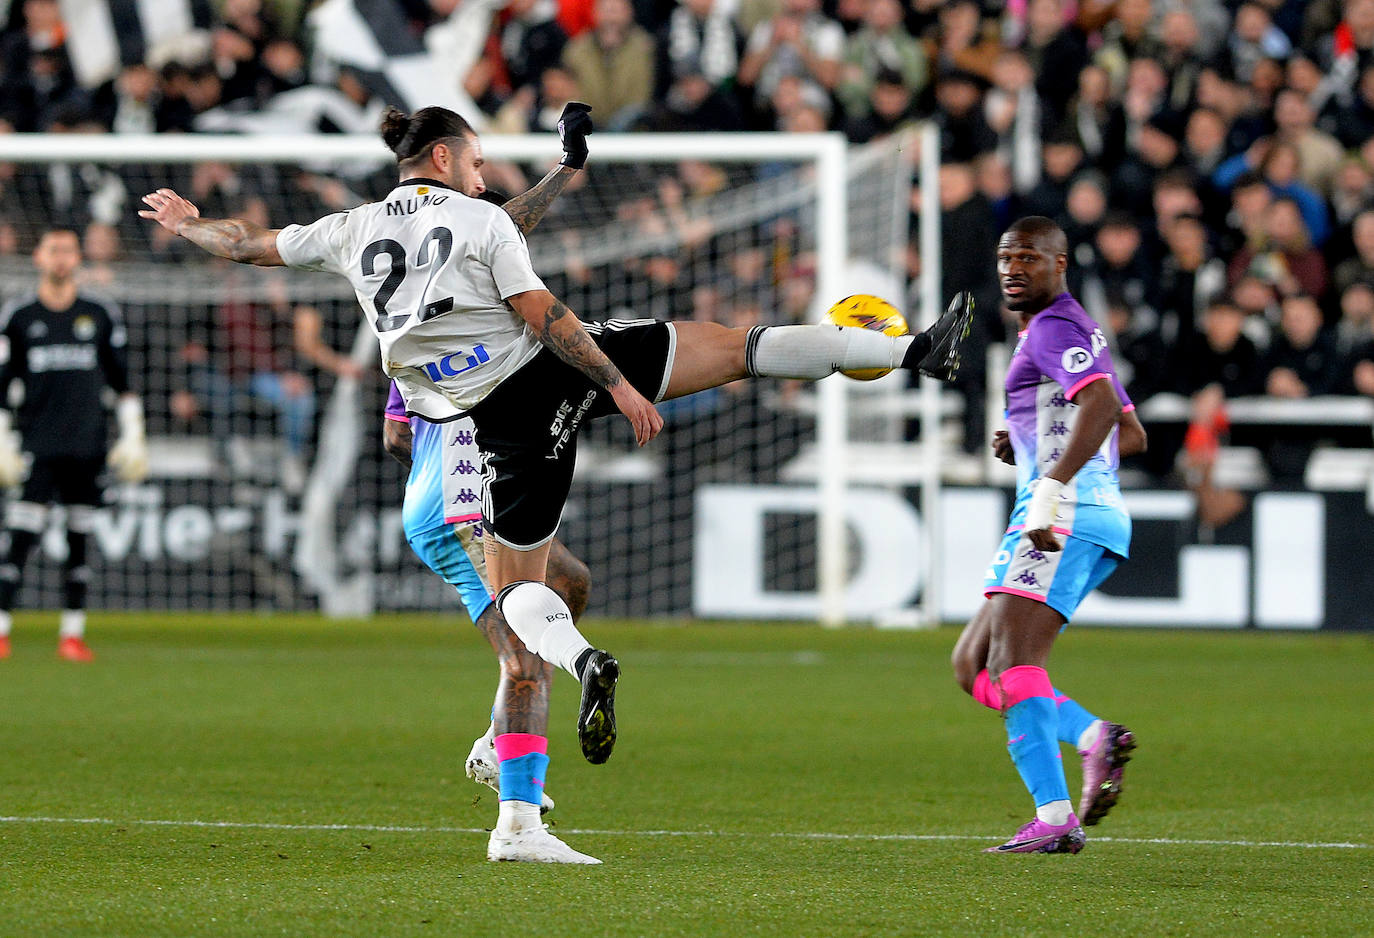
column 238, row 240
column 560, row 331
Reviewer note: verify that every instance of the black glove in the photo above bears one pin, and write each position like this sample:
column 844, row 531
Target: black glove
column 573, row 126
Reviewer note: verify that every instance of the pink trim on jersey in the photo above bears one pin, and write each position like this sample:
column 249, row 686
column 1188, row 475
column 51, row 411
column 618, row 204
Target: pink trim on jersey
column 1060, row 698
column 1014, row 591
column 462, row 519
column 1128, row 408
column 1024, row 682
column 1057, row 530
column 399, row 418
column 1083, row 383
column 985, row 693
column 515, row 745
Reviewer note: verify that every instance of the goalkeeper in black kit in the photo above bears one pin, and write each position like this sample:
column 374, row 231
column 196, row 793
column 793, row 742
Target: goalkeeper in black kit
column 65, row 349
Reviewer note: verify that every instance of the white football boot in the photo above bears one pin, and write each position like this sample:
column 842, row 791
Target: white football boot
column 533, row 845
column 483, row 766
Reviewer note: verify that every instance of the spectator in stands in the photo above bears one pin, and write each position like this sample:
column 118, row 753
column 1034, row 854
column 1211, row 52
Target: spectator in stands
column 693, row 103
column 892, row 106
column 699, row 39
column 996, row 185
column 1181, row 57
column 35, row 73
column 137, row 97
column 614, row 65
column 1095, row 120
column 1204, row 141
column 1302, row 361
column 1128, row 36
column 1223, row 365
column 1057, row 52
column 1278, row 163
column 1190, row 277
column 1360, row 268
column 1347, row 49
column 881, row 45
column 1139, row 352
column 1284, row 255
column 1354, row 122
column 531, row 42
column 800, row 42
column 963, row 41
column 1061, row 158
column 1319, row 153
column 1355, row 327
column 964, row 132
column 1084, row 211
column 1123, row 269
column 1254, row 39
column 1012, row 109
column 968, row 262
column 1154, row 153
column 1351, row 194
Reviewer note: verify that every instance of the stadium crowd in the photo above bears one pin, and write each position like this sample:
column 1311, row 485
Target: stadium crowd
column 1211, row 160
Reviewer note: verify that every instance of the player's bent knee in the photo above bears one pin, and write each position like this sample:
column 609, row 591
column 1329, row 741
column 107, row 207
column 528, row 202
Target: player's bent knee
column 531, row 609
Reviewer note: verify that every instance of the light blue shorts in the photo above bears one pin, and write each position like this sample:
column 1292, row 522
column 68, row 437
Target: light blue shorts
column 1060, row 579
column 454, row 551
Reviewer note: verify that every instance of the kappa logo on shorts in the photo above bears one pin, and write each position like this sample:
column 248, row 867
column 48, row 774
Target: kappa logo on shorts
column 566, row 421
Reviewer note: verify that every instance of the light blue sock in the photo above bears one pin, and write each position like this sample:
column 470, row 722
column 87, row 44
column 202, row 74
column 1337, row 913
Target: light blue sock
column 522, row 778
column 1073, row 719
column 1031, row 729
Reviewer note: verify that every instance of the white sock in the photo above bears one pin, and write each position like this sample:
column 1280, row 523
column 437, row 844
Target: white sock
column 6, row 624
column 73, row 623
column 1055, row 812
column 1088, row 738
column 817, row 351
column 540, row 618
column 517, row 816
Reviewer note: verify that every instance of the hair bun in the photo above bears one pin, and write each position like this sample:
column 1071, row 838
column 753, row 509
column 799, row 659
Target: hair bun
column 395, row 128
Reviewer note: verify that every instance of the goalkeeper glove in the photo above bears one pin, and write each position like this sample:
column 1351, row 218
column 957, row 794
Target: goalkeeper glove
column 573, row 126
column 11, row 457
column 129, row 455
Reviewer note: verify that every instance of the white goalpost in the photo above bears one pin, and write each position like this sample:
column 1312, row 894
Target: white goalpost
column 740, row 228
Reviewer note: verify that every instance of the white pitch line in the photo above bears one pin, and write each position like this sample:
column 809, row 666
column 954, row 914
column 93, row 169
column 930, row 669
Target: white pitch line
column 592, row 832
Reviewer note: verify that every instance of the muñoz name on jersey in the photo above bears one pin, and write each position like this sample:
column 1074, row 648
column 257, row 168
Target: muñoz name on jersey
column 432, row 269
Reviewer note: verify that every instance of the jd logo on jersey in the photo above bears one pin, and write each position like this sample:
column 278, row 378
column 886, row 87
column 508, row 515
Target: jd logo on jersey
column 452, row 365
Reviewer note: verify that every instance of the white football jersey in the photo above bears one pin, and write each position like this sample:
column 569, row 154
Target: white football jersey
column 432, row 269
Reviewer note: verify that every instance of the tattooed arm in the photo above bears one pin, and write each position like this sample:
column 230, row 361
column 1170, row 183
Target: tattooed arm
column 560, row 331
column 234, row 238
column 528, row 208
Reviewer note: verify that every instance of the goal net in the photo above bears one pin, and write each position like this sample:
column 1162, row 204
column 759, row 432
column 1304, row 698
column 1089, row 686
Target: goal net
column 269, row 486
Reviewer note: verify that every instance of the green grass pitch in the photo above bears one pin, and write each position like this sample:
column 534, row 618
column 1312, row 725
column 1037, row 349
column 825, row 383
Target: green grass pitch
column 212, row 775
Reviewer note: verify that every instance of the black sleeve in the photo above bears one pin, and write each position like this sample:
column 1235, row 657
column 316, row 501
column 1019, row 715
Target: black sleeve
column 114, row 350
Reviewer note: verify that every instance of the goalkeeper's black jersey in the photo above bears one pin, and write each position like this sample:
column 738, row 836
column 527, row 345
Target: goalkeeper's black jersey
column 64, row 359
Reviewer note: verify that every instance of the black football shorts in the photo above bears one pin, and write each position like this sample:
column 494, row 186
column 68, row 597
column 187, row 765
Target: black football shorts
column 71, row 480
column 527, row 426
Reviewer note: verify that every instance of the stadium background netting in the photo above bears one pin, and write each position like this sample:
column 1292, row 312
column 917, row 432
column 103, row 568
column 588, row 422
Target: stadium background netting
column 229, row 519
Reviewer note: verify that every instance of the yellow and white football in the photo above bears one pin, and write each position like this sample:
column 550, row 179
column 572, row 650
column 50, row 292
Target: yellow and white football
column 862, row 311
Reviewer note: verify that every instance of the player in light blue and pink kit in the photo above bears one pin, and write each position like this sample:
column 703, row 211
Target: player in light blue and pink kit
column 1068, row 420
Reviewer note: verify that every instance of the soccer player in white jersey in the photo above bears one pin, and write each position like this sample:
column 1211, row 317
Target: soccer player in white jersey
column 467, row 327
column 1068, row 419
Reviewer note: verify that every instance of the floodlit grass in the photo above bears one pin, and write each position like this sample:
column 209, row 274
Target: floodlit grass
column 769, row 780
